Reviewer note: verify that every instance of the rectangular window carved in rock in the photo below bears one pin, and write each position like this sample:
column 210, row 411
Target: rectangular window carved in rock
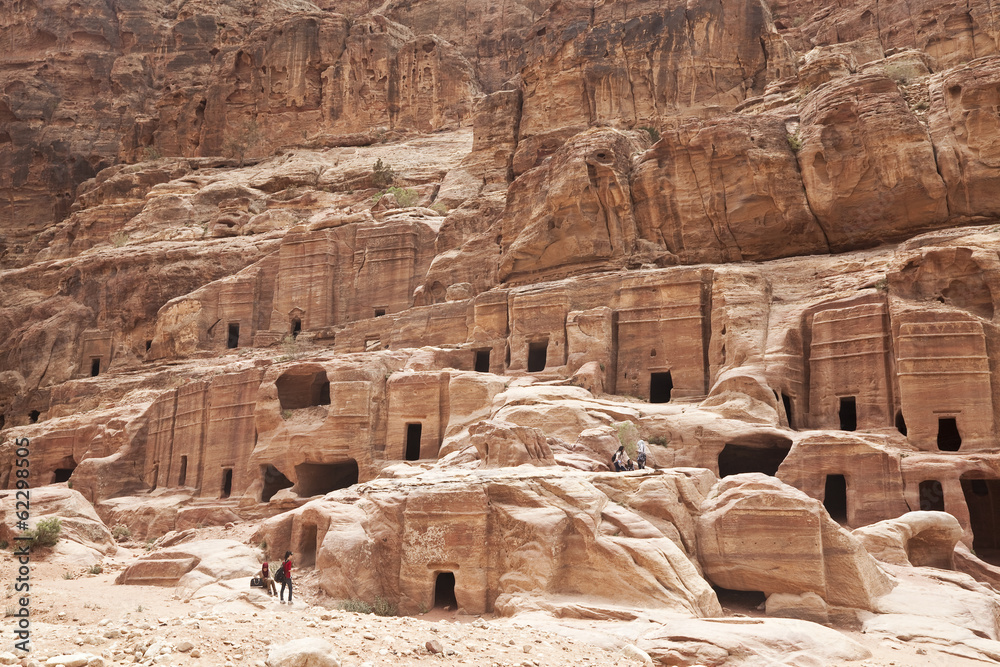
column 537, row 355
column 848, row 413
column 233, row 340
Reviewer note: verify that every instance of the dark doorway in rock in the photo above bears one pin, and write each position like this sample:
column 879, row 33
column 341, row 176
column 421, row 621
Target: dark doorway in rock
column 736, row 459
column 182, row 475
column 149, row 344
column 274, row 481
column 900, row 423
column 537, row 355
column 233, row 340
column 3, row 421
column 307, row 546
column 745, row 602
column 64, row 471
column 33, row 416
column 413, row 441
column 660, row 386
column 482, row 364
column 95, row 367
column 379, row 312
column 227, row 483
column 296, row 327
column 444, row 591
column 303, row 388
column 835, row 497
column 155, row 477
column 982, row 497
column 848, row 413
column 316, row 479
column 786, row 401
column 948, row 437
column 931, row 496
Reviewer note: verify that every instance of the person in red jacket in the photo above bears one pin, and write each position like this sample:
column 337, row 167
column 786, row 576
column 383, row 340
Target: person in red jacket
column 287, row 567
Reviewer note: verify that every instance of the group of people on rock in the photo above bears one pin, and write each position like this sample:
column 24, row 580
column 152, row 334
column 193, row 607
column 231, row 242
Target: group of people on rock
column 622, row 461
column 283, row 575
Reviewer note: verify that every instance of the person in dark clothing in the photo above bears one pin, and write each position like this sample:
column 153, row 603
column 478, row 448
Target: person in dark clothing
column 287, row 581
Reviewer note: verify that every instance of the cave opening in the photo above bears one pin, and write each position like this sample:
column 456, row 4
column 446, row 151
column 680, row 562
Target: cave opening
column 227, row 483
column 948, row 437
column 660, row 386
column 95, row 367
column 303, row 388
column 444, row 591
column 537, row 353
column 64, row 470
column 931, row 496
column 745, row 602
column 296, row 327
column 233, row 340
column 982, row 497
column 848, row 413
column 33, row 416
column 273, row 481
column 182, row 475
column 316, row 479
column 413, row 441
column 482, row 363
column 735, row 459
column 835, row 497
column 900, row 423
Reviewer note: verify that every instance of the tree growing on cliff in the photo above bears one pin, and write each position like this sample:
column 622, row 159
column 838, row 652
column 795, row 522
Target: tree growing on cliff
column 382, row 174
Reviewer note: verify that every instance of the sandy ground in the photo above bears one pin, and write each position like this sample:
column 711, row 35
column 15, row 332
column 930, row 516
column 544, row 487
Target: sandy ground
column 74, row 611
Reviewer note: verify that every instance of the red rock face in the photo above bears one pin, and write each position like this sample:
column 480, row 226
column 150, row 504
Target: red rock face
column 419, row 269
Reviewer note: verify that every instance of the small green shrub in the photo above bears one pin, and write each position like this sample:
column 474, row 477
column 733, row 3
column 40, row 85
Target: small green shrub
column 440, row 207
column 356, row 606
column 383, row 607
column 47, row 532
column 118, row 239
column 151, row 153
column 95, row 569
column 382, row 174
column 654, row 134
column 69, row 575
column 658, row 440
column 121, row 532
column 794, row 141
column 286, row 414
column 882, row 284
column 404, row 196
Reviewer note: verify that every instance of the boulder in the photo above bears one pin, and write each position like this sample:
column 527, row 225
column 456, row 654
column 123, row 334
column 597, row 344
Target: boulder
column 193, row 565
column 306, row 652
column 757, row 534
column 916, row 538
column 84, row 538
column 729, row 642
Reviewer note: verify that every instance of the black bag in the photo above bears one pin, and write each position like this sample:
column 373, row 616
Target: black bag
column 279, row 574
column 256, row 581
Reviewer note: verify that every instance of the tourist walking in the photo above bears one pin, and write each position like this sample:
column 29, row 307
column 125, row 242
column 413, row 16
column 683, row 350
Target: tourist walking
column 284, row 575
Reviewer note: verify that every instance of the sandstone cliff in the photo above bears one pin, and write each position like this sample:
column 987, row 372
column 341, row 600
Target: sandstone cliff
column 402, row 277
